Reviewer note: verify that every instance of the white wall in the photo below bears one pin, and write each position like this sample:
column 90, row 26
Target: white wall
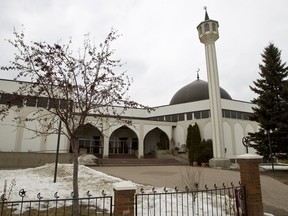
column 8, row 133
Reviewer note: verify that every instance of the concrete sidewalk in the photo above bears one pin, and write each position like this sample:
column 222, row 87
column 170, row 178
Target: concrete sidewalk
column 274, row 193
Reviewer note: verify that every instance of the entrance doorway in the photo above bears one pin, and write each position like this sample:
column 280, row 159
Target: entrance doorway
column 91, row 146
column 90, row 140
column 123, row 143
column 120, row 146
column 155, row 139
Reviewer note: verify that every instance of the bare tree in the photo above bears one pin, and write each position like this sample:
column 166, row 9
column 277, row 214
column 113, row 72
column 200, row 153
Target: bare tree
column 81, row 87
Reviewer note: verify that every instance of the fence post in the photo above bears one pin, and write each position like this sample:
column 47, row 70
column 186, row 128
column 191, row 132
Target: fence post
column 250, row 178
column 124, row 193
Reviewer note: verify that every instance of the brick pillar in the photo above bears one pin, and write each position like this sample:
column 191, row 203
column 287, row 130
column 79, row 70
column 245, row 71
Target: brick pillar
column 250, row 178
column 124, row 193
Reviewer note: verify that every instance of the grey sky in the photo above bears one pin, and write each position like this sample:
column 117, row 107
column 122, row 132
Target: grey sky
column 159, row 39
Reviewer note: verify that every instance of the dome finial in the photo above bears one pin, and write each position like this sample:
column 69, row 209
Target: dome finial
column 198, row 73
column 206, row 14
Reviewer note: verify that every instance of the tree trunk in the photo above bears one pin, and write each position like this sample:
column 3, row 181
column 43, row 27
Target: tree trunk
column 76, row 208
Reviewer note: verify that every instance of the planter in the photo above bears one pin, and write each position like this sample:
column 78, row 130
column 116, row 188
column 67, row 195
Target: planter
column 195, row 163
column 203, row 164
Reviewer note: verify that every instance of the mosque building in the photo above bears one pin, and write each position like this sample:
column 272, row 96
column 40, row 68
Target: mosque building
column 219, row 117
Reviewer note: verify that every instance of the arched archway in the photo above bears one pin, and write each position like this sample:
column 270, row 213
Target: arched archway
column 155, row 139
column 123, row 142
column 90, row 140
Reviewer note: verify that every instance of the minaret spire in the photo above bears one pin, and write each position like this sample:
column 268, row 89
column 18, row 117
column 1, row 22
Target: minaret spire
column 206, row 13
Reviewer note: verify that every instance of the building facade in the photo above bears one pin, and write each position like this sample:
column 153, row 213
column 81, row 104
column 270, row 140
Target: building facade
column 140, row 139
column 219, row 117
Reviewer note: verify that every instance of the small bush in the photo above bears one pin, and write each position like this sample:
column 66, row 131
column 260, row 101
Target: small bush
column 7, row 191
column 206, row 151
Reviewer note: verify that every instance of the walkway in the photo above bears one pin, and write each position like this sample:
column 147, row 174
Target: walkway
column 274, row 193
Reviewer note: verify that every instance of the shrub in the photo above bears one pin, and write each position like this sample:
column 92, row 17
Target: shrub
column 206, row 150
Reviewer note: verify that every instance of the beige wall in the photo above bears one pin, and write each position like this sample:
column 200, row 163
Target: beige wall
column 18, row 160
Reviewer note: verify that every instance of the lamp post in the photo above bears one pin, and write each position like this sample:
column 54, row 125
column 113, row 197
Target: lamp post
column 270, row 150
column 246, row 143
column 57, row 152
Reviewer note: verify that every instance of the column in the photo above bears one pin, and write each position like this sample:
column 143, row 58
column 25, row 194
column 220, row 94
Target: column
column 141, row 142
column 250, row 178
column 124, row 193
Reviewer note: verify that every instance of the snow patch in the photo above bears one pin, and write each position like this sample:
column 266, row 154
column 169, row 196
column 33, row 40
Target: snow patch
column 249, row 156
column 41, row 179
column 88, row 159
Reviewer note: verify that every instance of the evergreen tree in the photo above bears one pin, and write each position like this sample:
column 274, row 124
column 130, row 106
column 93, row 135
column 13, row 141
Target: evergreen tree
column 189, row 143
column 196, row 140
column 271, row 110
column 193, row 142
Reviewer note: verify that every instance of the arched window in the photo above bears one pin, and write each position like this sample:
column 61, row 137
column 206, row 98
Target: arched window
column 206, row 27
column 213, row 26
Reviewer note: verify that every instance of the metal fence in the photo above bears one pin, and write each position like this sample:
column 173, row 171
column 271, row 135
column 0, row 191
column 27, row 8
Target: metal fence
column 89, row 206
column 215, row 202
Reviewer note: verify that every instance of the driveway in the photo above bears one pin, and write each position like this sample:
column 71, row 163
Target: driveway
column 274, row 193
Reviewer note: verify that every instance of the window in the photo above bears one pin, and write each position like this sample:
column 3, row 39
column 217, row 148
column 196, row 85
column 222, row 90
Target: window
column 226, row 113
column 233, row 114
column 246, row 116
column 63, row 104
column 54, row 103
column 167, row 118
column 239, row 115
column 31, row 101
column 181, row 117
column 25, row 102
column 42, row 102
column 5, row 98
column 197, row 115
column 213, row 26
column 175, row 118
column 17, row 100
column 205, row 114
column 189, row 116
column 206, row 27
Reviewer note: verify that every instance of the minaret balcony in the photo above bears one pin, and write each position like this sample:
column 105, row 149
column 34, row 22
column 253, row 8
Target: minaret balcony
column 208, row 31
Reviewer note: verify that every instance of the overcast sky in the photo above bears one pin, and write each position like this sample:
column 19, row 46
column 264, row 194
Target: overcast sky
column 159, row 39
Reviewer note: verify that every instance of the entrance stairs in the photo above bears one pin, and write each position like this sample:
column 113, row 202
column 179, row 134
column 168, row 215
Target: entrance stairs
column 138, row 162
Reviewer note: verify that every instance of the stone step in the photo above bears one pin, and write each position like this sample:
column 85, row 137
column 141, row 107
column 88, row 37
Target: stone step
column 138, row 162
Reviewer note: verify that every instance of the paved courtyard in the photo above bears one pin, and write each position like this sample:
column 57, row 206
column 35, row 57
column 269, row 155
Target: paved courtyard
column 274, row 193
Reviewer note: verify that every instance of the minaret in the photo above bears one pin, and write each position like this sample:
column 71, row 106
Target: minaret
column 208, row 34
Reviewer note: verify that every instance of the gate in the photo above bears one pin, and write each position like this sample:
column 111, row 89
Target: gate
column 217, row 201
